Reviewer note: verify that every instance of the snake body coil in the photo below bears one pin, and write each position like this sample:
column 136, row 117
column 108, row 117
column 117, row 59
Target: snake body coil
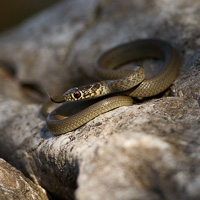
column 131, row 82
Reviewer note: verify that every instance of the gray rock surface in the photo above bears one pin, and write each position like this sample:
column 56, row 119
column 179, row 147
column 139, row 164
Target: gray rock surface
column 146, row 151
column 14, row 185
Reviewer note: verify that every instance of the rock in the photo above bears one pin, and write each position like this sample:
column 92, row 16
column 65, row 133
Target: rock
column 146, row 151
column 43, row 43
column 14, row 185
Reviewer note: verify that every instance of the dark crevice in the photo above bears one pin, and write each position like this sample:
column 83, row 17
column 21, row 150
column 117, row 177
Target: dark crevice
column 33, row 91
column 7, row 69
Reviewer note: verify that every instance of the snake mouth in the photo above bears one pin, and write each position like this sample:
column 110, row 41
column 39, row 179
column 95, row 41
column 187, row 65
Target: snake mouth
column 62, row 101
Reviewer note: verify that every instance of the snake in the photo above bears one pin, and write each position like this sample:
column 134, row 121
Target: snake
column 119, row 86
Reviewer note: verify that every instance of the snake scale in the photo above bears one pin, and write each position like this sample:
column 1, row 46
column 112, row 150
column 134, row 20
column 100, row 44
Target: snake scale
column 124, row 84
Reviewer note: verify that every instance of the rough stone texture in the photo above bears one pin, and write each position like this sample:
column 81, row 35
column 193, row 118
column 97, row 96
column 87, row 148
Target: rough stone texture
column 13, row 185
column 146, row 151
column 44, row 42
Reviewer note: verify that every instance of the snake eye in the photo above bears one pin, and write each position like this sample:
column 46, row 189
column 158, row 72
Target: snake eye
column 77, row 94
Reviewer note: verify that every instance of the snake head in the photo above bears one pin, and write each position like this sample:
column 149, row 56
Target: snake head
column 82, row 93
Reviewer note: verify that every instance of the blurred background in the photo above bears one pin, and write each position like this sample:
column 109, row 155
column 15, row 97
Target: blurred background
column 14, row 12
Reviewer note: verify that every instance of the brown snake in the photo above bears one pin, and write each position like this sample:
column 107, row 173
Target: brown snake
column 130, row 82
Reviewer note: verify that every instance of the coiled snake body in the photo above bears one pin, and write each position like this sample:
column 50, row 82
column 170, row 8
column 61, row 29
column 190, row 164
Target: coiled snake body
column 130, row 82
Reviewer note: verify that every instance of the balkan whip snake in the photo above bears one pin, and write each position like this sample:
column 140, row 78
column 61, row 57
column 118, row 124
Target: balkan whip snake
column 128, row 83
